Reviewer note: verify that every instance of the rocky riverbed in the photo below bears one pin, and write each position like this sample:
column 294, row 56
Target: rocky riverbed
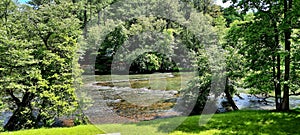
column 124, row 104
column 113, row 104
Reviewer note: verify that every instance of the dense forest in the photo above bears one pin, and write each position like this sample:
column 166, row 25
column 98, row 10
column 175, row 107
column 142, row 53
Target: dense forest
column 47, row 45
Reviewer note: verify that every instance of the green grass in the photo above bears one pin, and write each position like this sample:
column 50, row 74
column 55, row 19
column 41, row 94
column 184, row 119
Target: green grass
column 245, row 123
column 238, row 122
column 78, row 130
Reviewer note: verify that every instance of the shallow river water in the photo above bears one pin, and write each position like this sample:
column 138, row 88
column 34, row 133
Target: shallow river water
column 122, row 104
column 113, row 104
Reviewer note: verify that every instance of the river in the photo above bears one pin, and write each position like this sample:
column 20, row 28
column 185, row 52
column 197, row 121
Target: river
column 117, row 101
column 114, row 102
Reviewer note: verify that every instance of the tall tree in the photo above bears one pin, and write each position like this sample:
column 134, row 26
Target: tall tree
column 287, row 59
column 38, row 63
column 205, row 6
column 275, row 18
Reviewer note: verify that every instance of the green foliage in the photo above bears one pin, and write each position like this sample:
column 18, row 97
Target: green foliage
column 147, row 63
column 264, row 40
column 195, row 95
column 132, row 43
column 256, row 46
column 231, row 14
column 107, row 49
column 206, row 7
column 295, row 58
column 39, row 63
column 213, row 64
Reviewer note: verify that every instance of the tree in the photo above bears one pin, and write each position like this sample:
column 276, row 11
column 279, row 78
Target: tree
column 38, row 63
column 231, row 14
column 287, row 59
column 206, row 7
column 234, row 62
column 129, row 28
column 275, row 18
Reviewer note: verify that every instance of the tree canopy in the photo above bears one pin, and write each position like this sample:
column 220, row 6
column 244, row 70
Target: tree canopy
column 38, row 62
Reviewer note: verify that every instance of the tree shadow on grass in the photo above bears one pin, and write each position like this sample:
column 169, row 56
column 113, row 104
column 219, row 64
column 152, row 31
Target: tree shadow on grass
column 239, row 122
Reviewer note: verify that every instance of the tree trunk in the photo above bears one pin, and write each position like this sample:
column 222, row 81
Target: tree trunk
column 287, row 37
column 99, row 17
column 278, row 86
column 91, row 11
column 11, row 124
column 228, row 96
column 277, row 82
column 85, row 22
column 21, row 115
column 19, row 120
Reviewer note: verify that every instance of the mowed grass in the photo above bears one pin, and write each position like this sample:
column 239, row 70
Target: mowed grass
column 244, row 123
column 237, row 122
column 78, row 130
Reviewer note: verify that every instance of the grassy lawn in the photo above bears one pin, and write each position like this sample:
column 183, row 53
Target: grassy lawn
column 78, row 130
column 238, row 122
column 244, row 123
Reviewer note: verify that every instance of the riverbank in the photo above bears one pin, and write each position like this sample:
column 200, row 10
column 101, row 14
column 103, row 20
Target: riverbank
column 237, row 122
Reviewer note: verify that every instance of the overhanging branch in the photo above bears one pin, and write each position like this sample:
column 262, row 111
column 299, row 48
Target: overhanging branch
column 17, row 100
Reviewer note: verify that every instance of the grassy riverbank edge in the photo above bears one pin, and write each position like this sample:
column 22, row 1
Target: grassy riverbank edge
column 237, row 122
